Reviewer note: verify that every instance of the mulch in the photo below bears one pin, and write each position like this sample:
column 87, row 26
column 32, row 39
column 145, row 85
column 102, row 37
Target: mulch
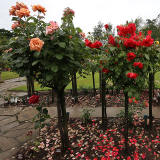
column 91, row 142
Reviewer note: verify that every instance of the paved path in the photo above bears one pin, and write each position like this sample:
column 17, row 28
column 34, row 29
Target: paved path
column 15, row 122
column 12, row 83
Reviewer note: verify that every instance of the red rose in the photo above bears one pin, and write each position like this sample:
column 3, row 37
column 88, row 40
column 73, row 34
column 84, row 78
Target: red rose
column 124, row 31
column 105, row 70
column 149, row 32
column 130, row 56
column 130, row 43
column 96, row 44
column 106, row 26
column 34, row 99
column 138, row 64
column 111, row 40
column 132, row 75
column 148, row 41
column 132, row 100
column 88, row 43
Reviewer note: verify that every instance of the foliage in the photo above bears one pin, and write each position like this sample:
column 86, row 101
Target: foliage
column 86, row 115
column 62, row 54
column 133, row 109
column 40, row 118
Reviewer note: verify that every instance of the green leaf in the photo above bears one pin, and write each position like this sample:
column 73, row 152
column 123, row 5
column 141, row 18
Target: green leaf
column 54, row 68
column 49, row 77
column 36, row 54
column 62, row 44
column 39, row 108
column 147, row 57
column 59, row 56
column 45, row 111
column 35, row 62
column 42, row 119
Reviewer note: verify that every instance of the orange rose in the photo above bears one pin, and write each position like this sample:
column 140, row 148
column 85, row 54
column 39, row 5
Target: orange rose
column 12, row 11
column 70, row 37
column 38, row 8
column 15, row 25
column 36, row 44
column 23, row 12
column 20, row 5
column 16, row 8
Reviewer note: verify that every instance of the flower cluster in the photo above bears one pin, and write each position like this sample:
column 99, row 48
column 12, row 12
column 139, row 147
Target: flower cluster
column 138, row 64
column 131, row 39
column 34, row 99
column 128, row 30
column 36, row 44
column 132, row 100
column 130, row 56
column 38, row 8
column 68, row 11
column 132, row 75
column 52, row 27
column 111, row 40
column 96, row 44
column 20, row 10
column 105, row 70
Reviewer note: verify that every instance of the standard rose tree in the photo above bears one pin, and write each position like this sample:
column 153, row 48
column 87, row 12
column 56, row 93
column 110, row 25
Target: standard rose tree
column 26, row 43
column 61, row 55
column 127, row 63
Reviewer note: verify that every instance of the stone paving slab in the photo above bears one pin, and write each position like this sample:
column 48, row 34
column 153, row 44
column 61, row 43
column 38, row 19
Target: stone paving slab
column 7, row 154
column 27, row 114
column 8, row 127
column 7, row 121
column 10, row 111
column 24, row 137
column 7, row 143
column 3, row 117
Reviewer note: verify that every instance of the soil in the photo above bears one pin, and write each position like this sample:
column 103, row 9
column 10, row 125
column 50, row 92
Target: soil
column 91, row 142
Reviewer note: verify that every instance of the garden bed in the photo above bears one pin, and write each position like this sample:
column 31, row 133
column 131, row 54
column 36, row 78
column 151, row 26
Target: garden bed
column 86, row 98
column 92, row 143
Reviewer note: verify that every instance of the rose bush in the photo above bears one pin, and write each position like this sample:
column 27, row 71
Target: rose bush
column 26, row 43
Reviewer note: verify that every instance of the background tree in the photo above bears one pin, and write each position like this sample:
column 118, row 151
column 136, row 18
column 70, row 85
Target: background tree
column 5, row 35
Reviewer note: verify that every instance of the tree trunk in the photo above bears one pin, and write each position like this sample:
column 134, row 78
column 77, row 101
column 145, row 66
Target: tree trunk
column 74, row 88
column 100, row 84
column 150, row 98
column 103, row 96
column 153, row 83
column 126, row 122
column 1, row 77
column 30, row 85
column 62, row 119
column 52, row 95
column 94, row 87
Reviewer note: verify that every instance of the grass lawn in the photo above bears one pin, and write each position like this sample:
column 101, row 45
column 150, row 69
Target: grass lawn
column 82, row 83
column 9, row 75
